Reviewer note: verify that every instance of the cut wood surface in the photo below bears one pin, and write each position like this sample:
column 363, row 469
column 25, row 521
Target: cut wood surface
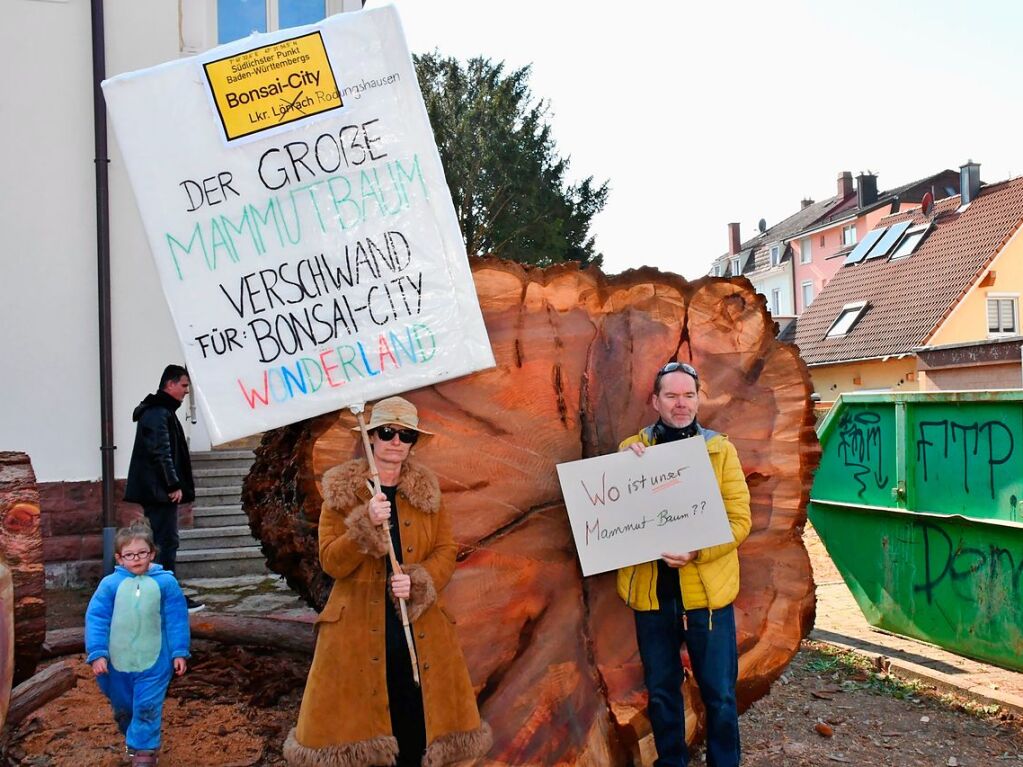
column 35, row 692
column 21, row 542
column 553, row 655
column 6, row 638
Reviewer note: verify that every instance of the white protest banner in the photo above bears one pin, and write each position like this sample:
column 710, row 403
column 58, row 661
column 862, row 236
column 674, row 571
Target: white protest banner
column 296, row 207
column 626, row 509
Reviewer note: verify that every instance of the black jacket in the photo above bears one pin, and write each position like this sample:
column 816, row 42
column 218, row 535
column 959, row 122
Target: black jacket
column 160, row 463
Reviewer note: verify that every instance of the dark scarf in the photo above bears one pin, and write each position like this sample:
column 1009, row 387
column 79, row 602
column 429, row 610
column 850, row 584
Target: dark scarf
column 668, row 586
column 665, row 433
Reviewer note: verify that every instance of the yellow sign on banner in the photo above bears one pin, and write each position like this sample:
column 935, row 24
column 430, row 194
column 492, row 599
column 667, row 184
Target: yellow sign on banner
column 273, row 85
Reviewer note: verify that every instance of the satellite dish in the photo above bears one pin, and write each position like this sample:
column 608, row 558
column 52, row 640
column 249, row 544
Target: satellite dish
column 762, row 225
column 927, row 203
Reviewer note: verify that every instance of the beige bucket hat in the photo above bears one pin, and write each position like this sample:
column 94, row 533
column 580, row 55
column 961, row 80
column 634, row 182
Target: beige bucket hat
column 396, row 410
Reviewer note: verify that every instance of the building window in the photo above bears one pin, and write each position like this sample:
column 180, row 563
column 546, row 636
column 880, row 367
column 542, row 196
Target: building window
column 776, row 301
column 205, row 24
column 911, row 241
column 805, row 251
column 846, row 319
column 1002, row 312
column 822, row 240
column 735, row 267
column 807, row 293
column 849, row 235
column 775, row 255
column 240, row 18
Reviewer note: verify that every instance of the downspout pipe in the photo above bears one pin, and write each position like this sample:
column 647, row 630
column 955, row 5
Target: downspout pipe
column 106, row 404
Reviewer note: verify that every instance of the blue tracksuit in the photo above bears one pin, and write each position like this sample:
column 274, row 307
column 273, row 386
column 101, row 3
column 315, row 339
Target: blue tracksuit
column 139, row 624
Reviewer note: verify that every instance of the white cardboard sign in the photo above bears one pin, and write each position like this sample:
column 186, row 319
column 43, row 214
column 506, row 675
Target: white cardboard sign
column 296, row 207
column 626, row 509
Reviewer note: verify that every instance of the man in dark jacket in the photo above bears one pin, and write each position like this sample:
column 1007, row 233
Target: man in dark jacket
column 160, row 472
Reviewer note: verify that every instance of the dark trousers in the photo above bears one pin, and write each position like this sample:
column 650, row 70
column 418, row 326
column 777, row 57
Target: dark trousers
column 163, row 518
column 715, row 659
column 405, row 699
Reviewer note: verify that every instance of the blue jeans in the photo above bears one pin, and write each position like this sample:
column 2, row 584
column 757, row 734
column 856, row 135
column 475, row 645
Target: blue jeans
column 715, row 658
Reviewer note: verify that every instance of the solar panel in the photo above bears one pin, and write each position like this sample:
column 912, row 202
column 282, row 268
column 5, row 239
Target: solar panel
column 886, row 243
column 864, row 246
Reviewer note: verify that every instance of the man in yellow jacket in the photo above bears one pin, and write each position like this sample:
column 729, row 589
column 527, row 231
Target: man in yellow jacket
column 686, row 597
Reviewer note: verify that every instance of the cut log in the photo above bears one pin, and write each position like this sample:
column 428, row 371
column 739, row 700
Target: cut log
column 35, row 692
column 6, row 638
column 61, row 642
column 21, row 541
column 553, row 655
column 253, row 631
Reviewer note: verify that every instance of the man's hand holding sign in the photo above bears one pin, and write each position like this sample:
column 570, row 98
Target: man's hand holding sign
column 671, row 521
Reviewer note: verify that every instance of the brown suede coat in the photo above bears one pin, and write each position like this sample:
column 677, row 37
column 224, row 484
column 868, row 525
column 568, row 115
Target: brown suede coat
column 344, row 719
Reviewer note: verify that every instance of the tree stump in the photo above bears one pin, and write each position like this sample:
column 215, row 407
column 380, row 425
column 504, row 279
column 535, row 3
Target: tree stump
column 21, row 542
column 553, row 655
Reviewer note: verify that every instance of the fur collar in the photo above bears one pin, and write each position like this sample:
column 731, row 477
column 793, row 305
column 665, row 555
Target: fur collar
column 344, row 485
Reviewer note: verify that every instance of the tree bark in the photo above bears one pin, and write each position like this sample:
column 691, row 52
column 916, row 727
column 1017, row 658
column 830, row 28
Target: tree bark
column 21, row 541
column 37, row 691
column 6, row 638
column 253, row 631
column 553, row 655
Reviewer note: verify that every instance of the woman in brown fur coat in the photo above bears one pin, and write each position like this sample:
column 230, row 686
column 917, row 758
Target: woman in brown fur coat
column 361, row 706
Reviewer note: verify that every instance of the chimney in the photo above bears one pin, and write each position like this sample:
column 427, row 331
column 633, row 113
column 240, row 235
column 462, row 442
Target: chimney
column 969, row 181
column 866, row 189
column 734, row 241
column 845, row 186
column 805, row 203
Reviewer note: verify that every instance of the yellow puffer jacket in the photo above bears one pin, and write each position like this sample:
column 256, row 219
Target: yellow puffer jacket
column 712, row 578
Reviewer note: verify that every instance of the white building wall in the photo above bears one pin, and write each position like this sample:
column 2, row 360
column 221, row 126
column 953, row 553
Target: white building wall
column 48, row 291
column 779, row 278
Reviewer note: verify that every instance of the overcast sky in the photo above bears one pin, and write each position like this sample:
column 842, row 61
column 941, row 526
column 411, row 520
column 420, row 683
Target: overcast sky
column 702, row 114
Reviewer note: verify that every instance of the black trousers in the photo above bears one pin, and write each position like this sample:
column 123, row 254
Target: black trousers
column 406, row 699
column 163, row 518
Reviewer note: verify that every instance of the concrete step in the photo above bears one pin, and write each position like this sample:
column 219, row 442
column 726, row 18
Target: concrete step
column 219, row 476
column 229, row 537
column 218, row 516
column 223, row 459
column 221, row 495
column 220, row 563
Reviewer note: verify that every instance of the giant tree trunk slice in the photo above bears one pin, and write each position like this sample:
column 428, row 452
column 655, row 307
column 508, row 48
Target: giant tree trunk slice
column 21, row 542
column 553, row 655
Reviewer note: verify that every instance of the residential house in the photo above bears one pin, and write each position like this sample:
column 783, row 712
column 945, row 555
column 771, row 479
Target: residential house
column 766, row 259
column 819, row 250
column 790, row 263
column 928, row 300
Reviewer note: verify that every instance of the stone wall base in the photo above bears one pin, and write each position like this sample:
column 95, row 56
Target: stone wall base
column 71, row 516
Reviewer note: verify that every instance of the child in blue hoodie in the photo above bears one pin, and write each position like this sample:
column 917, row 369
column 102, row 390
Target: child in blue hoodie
column 137, row 637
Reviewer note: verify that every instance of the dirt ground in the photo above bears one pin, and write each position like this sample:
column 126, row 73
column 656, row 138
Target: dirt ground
column 829, row 708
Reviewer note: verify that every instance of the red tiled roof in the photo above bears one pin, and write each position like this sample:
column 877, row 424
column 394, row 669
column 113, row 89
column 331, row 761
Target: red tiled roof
column 909, row 297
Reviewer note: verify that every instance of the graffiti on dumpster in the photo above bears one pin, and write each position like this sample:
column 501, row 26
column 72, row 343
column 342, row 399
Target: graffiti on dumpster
column 983, row 571
column 992, row 443
column 859, row 447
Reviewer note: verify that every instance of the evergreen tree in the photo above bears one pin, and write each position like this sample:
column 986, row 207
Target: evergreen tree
column 506, row 178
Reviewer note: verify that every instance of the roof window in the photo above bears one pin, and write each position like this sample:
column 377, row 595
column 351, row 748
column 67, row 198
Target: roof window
column 846, row 319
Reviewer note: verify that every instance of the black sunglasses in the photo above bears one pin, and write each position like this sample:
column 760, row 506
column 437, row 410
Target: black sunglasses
column 386, row 433
column 674, row 367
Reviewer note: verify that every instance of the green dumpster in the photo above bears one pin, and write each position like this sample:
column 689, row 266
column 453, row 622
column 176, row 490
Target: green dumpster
column 917, row 501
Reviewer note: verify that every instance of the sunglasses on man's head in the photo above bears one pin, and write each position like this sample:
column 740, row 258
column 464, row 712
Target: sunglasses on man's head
column 674, row 367
column 386, row 433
